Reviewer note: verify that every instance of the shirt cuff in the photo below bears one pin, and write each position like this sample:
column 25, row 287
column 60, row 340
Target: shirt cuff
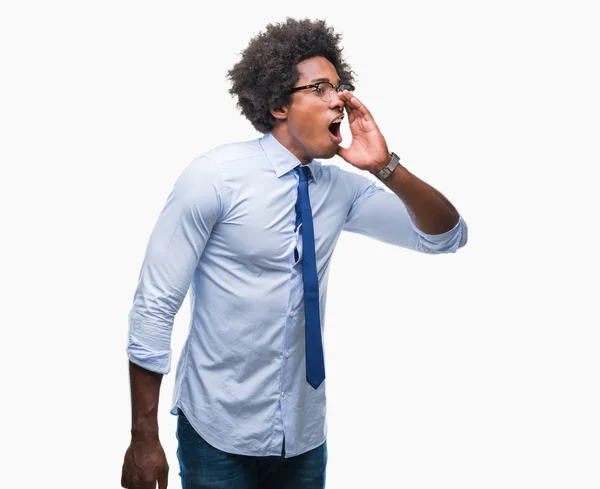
column 447, row 242
column 155, row 361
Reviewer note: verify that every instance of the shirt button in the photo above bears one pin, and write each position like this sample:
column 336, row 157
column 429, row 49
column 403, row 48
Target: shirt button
column 292, row 314
column 287, row 354
column 283, row 394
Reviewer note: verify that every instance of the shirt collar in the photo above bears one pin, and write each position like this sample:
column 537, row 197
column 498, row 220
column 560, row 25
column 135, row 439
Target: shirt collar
column 283, row 160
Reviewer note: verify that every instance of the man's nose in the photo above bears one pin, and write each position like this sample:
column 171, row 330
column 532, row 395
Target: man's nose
column 336, row 100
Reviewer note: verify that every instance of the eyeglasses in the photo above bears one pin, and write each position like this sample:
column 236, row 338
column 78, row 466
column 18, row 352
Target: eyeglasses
column 325, row 89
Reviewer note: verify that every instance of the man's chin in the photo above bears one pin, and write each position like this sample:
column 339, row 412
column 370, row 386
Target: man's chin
column 329, row 152
column 324, row 149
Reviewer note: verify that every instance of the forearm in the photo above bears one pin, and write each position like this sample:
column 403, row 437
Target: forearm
column 145, row 390
column 431, row 212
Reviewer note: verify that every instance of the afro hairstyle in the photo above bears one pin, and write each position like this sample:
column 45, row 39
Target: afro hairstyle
column 267, row 70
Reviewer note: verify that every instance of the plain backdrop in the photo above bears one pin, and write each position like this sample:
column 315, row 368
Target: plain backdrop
column 473, row 370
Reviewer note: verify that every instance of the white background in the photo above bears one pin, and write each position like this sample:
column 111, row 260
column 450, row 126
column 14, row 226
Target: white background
column 473, row 370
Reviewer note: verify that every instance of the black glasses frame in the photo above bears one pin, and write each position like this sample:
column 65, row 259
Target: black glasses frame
column 347, row 86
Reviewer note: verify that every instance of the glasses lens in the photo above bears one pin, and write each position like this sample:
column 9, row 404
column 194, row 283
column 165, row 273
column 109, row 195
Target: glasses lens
column 325, row 91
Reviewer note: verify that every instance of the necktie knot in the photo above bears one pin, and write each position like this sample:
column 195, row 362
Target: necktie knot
column 304, row 172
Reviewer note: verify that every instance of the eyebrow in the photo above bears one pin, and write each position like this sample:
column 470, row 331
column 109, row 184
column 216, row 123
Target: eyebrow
column 316, row 80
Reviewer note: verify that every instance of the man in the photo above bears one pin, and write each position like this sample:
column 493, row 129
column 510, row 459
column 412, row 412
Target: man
column 252, row 226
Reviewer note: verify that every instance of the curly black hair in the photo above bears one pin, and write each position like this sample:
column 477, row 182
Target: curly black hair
column 267, row 69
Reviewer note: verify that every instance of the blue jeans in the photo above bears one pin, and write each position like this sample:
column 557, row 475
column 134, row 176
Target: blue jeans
column 203, row 466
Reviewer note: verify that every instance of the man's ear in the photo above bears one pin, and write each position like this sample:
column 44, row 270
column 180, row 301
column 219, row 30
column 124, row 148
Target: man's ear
column 280, row 113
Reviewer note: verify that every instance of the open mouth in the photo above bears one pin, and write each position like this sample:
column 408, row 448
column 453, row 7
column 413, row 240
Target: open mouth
column 334, row 129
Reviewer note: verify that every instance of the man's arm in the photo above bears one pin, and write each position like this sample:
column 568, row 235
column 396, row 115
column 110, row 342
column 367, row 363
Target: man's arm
column 145, row 461
column 436, row 225
column 431, row 212
column 145, row 390
column 176, row 244
column 173, row 252
column 383, row 215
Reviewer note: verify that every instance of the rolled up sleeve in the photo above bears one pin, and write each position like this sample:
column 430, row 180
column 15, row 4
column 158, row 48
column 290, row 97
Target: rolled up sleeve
column 176, row 243
column 380, row 214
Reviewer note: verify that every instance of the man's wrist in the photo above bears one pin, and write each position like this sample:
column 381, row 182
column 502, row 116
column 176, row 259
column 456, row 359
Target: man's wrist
column 145, row 428
column 144, row 434
column 392, row 163
column 381, row 166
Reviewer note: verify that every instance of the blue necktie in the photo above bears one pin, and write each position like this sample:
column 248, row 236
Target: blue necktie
column 315, row 365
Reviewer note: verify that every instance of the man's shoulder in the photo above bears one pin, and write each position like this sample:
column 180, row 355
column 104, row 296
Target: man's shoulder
column 235, row 151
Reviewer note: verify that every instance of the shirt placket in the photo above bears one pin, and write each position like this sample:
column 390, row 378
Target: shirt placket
column 295, row 316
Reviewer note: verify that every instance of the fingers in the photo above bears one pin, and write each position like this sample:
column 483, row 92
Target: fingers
column 354, row 105
column 163, row 479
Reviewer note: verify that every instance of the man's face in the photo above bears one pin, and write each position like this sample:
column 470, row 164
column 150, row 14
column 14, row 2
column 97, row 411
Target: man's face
column 309, row 118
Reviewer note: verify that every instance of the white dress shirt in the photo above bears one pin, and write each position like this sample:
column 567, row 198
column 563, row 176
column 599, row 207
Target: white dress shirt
column 227, row 229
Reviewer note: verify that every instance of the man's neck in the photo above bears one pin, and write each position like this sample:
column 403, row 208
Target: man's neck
column 282, row 135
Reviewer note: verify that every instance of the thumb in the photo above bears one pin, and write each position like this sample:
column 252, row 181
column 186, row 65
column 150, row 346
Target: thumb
column 343, row 152
column 123, row 478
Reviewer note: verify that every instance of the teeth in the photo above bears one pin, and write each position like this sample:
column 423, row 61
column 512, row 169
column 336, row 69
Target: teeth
column 338, row 120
